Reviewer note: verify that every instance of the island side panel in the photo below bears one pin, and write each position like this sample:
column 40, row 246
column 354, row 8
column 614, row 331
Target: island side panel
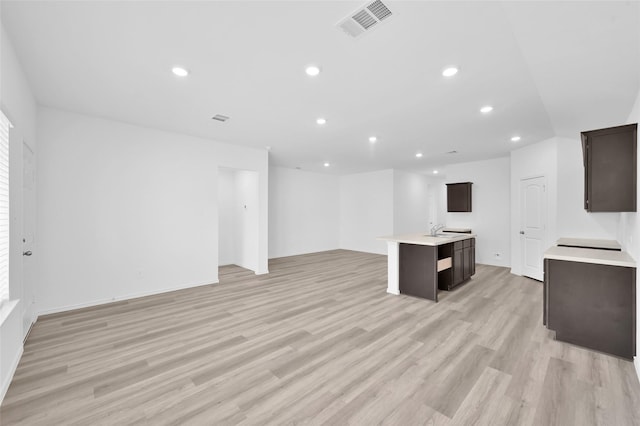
column 418, row 275
column 393, row 285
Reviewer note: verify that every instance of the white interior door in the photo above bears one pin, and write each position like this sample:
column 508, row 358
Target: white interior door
column 28, row 234
column 533, row 202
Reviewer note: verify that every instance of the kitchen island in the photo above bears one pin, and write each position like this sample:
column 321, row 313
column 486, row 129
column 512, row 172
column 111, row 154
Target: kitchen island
column 420, row 264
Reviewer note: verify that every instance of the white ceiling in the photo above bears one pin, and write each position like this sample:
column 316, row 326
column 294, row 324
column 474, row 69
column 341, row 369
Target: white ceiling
column 548, row 68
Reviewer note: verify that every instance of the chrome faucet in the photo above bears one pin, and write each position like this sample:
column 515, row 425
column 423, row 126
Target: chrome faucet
column 435, row 229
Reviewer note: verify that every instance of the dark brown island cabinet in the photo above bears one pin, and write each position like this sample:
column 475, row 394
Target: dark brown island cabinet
column 423, row 269
column 463, row 263
column 610, row 165
column 459, row 197
column 591, row 305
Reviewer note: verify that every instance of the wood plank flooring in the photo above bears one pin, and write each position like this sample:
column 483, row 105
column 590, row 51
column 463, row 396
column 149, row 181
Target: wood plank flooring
column 317, row 341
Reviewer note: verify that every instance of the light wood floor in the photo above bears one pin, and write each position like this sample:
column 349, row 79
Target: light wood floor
column 318, row 341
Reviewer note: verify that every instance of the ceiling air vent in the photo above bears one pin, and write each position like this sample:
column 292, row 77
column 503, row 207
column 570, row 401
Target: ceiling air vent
column 220, row 117
column 364, row 19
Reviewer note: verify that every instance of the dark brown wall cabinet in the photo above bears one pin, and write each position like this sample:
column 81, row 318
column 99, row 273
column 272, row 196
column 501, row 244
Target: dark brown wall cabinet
column 610, row 165
column 591, row 305
column 459, row 197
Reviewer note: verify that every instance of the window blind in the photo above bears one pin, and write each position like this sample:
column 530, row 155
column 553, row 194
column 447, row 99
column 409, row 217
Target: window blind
column 5, row 125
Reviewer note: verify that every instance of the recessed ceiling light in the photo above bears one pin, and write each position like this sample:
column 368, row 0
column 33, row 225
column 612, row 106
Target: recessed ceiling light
column 435, row 172
column 312, row 70
column 419, row 155
column 321, row 121
column 486, row 109
column 450, row 71
column 515, row 139
column 373, row 139
column 179, row 71
column 327, row 164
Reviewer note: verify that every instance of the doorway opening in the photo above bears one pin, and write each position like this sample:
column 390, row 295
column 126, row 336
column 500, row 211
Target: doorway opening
column 238, row 221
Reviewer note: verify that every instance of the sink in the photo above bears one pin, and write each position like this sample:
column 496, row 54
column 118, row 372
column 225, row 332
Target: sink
column 440, row 236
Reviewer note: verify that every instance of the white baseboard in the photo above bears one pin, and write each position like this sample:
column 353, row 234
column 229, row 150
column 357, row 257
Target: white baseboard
column 120, row 298
column 26, row 336
column 9, row 377
column 636, row 363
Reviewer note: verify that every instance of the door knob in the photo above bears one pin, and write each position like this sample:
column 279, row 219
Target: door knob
column 521, row 232
column 27, row 253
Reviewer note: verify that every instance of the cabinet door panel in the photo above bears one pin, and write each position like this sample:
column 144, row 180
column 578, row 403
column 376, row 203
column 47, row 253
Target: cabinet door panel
column 459, row 197
column 473, row 260
column 458, row 267
column 466, row 259
column 417, row 274
column 610, row 169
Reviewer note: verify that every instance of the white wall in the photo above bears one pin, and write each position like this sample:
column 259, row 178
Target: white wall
column 540, row 159
column 226, row 217
column 489, row 218
column 561, row 161
column 304, row 212
column 438, row 195
column 125, row 211
column 366, row 210
column 19, row 105
column 573, row 220
column 312, row 212
column 410, row 202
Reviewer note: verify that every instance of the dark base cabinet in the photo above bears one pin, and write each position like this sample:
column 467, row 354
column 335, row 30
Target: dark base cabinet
column 463, row 264
column 591, row 305
column 418, row 275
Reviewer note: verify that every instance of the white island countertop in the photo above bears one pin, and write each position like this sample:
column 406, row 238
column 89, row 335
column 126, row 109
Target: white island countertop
column 426, row 239
column 589, row 255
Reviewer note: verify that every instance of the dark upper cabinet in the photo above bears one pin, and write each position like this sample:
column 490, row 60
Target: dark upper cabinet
column 610, row 165
column 459, row 197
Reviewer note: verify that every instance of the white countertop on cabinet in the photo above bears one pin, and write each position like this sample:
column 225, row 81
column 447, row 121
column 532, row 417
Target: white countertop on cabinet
column 590, row 243
column 588, row 255
column 426, row 239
